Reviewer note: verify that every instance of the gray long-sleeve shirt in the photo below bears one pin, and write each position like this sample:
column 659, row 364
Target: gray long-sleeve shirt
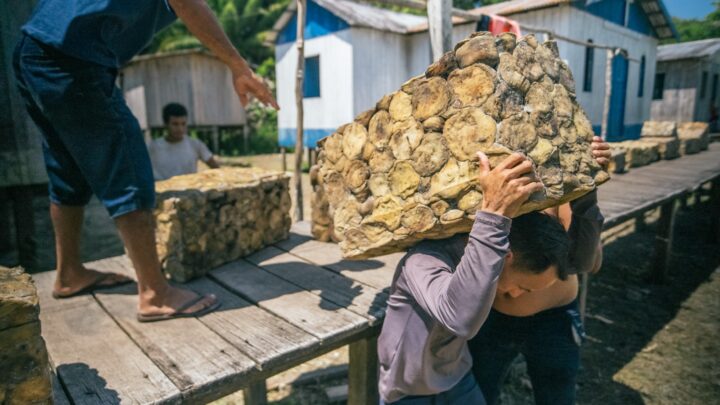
column 442, row 293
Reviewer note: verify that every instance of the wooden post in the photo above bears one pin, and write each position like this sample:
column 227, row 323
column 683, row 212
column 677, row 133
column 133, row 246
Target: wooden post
column 663, row 242
column 300, row 44
column 608, row 87
column 216, row 140
column 363, row 373
column 440, row 26
column 6, row 243
column 584, row 283
column 715, row 210
column 255, row 393
column 284, row 158
column 246, row 139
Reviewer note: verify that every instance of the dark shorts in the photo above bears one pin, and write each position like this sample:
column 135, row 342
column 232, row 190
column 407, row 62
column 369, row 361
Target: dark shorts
column 550, row 342
column 465, row 392
column 92, row 143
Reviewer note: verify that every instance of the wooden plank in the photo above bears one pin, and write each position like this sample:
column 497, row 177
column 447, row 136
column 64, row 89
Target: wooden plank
column 345, row 292
column 194, row 357
column 376, row 272
column 663, row 242
column 308, row 311
column 715, row 211
column 94, row 359
column 363, row 373
column 267, row 339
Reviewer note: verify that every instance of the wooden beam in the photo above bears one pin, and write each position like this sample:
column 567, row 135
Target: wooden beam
column 715, row 210
column 300, row 45
column 584, row 284
column 608, row 87
column 216, row 140
column 440, row 26
column 246, row 139
column 255, row 393
column 663, row 242
column 363, row 373
column 283, row 152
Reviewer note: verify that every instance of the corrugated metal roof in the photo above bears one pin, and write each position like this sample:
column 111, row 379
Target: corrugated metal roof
column 518, row 6
column 688, row 50
column 181, row 52
column 654, row 9
column 359, row 15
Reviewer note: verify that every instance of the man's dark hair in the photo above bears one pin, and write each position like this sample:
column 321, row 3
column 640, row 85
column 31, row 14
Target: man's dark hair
column 174, row 110
column 538, row 241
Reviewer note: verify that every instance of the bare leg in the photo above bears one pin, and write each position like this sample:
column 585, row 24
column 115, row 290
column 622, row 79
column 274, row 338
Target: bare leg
column 72, row 276
column 137, row 230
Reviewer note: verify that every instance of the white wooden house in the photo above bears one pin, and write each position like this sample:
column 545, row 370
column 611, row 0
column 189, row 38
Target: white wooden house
column 686, row 81
column 633, row 25
column 355, row 53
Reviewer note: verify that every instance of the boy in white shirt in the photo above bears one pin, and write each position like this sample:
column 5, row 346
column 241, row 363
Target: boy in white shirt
column 176, row 153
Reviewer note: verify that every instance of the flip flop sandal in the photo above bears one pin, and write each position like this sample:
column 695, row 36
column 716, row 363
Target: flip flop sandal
column 95, row 286
column 179, row 312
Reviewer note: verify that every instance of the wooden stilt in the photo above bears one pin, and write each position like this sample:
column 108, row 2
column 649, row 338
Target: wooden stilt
column 255, row 393
column 663, row 242
column 584, row 283
column 363, row 373
column 246, row 139
column 216, row 140
column 715, row 210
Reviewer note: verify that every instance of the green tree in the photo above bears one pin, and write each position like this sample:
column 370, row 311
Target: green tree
column 246, row 23
column 696, row 29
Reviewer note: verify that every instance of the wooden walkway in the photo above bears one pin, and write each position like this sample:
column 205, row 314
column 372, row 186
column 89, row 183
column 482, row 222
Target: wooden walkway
column 282, row 306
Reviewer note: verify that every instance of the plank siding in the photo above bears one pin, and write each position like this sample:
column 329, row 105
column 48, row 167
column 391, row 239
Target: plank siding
column 195, row 79
column 574, row 23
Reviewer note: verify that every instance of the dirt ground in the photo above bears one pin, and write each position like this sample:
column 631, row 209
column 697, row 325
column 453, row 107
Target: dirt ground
column 647, row 344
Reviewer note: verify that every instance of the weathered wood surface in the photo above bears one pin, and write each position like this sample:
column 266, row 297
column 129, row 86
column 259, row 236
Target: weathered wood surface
column 643, row 188
column 96, row 361
column 312, row 313
column 194, row 357
column 345, row 292
column 281, row 306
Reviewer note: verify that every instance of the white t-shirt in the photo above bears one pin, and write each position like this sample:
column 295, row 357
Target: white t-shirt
column 172, row 159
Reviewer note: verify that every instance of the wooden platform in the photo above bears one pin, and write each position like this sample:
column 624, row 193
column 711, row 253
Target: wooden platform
column 281, row 306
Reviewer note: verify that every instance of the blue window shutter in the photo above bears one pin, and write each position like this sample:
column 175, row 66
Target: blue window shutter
column 589, row 60
column 641, row 86
column 311, row 83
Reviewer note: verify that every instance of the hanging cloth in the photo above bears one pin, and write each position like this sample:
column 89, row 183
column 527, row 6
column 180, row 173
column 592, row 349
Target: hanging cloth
column 497, row 25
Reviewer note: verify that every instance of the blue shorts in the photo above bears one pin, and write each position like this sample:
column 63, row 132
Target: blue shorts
column 91, row 141
column 465, row 392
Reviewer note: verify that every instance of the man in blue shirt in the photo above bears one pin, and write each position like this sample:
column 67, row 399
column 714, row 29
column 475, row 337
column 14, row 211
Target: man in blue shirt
column 66, row 65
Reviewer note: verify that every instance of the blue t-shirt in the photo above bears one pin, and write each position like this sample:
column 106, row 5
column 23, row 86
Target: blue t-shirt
column 107, row 32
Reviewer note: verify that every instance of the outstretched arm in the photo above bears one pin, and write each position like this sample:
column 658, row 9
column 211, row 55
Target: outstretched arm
column 201, row 21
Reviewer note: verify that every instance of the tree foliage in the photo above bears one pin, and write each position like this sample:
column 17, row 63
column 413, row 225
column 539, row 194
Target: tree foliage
column 697, row 29
column 246, row 22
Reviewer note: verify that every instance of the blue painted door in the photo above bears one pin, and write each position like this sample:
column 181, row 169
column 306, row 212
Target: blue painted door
column 616, row 118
